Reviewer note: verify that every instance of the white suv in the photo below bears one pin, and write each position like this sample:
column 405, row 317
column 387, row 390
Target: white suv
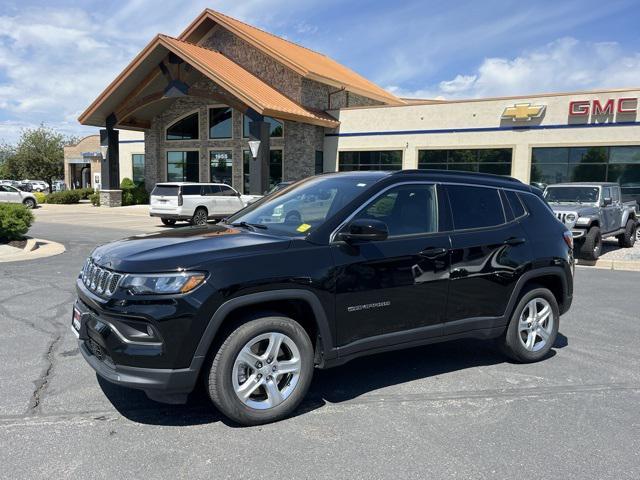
column 10, row 194
column 196, row 202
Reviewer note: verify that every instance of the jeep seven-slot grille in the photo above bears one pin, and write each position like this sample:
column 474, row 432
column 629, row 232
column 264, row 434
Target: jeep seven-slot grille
column 561, row 216
column 98, row 279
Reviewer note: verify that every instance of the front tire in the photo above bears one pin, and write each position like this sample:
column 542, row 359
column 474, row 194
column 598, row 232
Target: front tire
column 533, row 328
column 628, row 238
column 262, row 371
column 592, row 245
column 29, row 203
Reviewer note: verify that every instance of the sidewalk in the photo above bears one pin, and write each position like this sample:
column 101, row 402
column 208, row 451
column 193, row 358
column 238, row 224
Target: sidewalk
column 615, row 258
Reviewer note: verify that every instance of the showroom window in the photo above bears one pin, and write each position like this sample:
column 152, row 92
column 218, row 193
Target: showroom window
column 183, row 166
column 276, row 128
column 221, row 166
column 621, row 165
column 137, row 164
column 370, row 160
column 484, row 160
column 275, row 168
column 184, row 129
column 220, row 122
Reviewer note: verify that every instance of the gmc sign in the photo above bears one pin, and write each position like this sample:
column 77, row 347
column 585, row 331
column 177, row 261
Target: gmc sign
column 621, row 106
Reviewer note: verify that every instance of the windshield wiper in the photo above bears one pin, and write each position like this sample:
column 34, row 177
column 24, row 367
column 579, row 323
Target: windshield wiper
column 249, row 226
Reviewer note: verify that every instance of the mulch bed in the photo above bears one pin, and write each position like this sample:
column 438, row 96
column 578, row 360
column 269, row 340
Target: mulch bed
column 14, row 243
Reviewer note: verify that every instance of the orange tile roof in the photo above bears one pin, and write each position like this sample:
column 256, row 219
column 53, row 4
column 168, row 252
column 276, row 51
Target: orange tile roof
column 302, row 60
column 245, row 86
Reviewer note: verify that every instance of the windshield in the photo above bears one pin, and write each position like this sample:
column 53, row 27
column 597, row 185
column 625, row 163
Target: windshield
column 572, row 194
column 304, row 208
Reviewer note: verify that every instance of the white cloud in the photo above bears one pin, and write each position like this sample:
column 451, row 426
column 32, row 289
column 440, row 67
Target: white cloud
column 566, row 64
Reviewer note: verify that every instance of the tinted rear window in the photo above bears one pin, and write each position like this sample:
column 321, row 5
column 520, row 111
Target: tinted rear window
column 475, row 207
column 515, row 203
column 166, row 190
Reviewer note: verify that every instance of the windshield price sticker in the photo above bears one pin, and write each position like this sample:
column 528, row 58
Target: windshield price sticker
column 303, row 228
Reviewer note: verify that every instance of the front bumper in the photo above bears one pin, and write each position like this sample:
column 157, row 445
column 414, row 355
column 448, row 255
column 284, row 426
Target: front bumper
column 578, row 233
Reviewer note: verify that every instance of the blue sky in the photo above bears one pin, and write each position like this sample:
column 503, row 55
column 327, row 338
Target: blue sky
column 57, row 56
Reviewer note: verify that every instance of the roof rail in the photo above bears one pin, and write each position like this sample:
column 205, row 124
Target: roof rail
column 457, row 173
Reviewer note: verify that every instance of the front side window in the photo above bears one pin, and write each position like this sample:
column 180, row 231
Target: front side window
column 182, row 166
column 475, row 207
column 220, row 122
column 137, row 161
column 184, row 129
column 221, row 165
column 227, row 191
column 406, row 210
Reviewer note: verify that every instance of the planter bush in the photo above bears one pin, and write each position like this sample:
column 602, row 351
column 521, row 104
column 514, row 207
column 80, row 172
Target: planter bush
column 85, row 193
column 64, row 197
column 40, row 197
column 133, row 194
column 95, row 199
column 15, row 221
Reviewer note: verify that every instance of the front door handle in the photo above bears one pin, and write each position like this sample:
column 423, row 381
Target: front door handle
column 513, row 241
column 433, row 252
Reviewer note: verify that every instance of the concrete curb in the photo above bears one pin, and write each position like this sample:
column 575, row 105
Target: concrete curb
column 626, row 265
column 36, row 248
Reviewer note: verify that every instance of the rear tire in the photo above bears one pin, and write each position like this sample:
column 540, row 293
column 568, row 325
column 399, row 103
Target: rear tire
column 200, row 216
column 246, row 380
column 592, row 245
column 168, row 221
column 533, row 327
column 628, row 238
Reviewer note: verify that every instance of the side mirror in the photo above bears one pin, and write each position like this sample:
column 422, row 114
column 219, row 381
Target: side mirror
column 365, row 230
column 607, row 201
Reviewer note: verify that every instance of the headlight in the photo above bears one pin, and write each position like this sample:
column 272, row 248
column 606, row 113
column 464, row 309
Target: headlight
column 571, row 217
column 162, row 284
column 583, row 221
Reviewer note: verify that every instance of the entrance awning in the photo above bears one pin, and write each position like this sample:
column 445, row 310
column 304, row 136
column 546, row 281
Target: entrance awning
column 155, row 78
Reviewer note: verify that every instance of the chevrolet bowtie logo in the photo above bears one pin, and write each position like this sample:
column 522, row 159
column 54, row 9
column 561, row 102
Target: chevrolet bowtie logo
column 523, row 111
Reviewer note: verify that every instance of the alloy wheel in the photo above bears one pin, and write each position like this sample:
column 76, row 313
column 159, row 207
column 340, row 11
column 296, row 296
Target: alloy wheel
column 266, row 370
column 200, row 217
column 535, row 324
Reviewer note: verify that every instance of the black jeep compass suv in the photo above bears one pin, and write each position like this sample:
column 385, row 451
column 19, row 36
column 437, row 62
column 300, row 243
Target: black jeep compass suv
column 328, row 269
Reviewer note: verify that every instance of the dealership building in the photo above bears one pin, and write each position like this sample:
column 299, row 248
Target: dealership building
column 229, row 102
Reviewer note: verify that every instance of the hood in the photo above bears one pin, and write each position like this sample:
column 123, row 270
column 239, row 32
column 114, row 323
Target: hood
column 179, row 248
column 580, row 209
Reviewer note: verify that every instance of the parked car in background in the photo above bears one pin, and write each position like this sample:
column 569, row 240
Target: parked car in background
column 594, row 211
column 539, row 185
column 250, row 307
column 10, row 194
column 37, row 185
column 59, row 186
column 196, row 202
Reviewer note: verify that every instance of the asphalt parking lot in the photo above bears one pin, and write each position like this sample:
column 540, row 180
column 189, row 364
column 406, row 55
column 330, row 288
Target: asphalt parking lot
column 456, row 410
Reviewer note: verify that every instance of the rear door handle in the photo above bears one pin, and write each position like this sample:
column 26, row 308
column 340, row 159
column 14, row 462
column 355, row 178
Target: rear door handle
column 515, row 241
column 433, row 252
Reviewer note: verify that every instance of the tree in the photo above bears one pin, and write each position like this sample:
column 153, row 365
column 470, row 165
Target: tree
column 7, row 161
column 39, row 154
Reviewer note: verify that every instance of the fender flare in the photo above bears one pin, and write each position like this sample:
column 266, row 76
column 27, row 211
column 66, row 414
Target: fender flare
column 532, row 275
column 229, row 306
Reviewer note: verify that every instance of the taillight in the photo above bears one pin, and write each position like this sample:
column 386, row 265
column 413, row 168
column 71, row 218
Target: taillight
column 180, row 199
column 568, row 238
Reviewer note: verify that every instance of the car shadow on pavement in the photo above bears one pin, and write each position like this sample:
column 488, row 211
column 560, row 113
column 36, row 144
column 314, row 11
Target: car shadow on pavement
column 334, row 385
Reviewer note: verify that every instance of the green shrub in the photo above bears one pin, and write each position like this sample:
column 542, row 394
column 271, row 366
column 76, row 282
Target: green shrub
column 95, row 199
column 64, row 197
column 133, row 194
column 40, row 197
column 15, row 221
column 85, row 193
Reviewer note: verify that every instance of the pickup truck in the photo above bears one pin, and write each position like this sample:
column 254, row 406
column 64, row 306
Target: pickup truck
column 593, row 211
